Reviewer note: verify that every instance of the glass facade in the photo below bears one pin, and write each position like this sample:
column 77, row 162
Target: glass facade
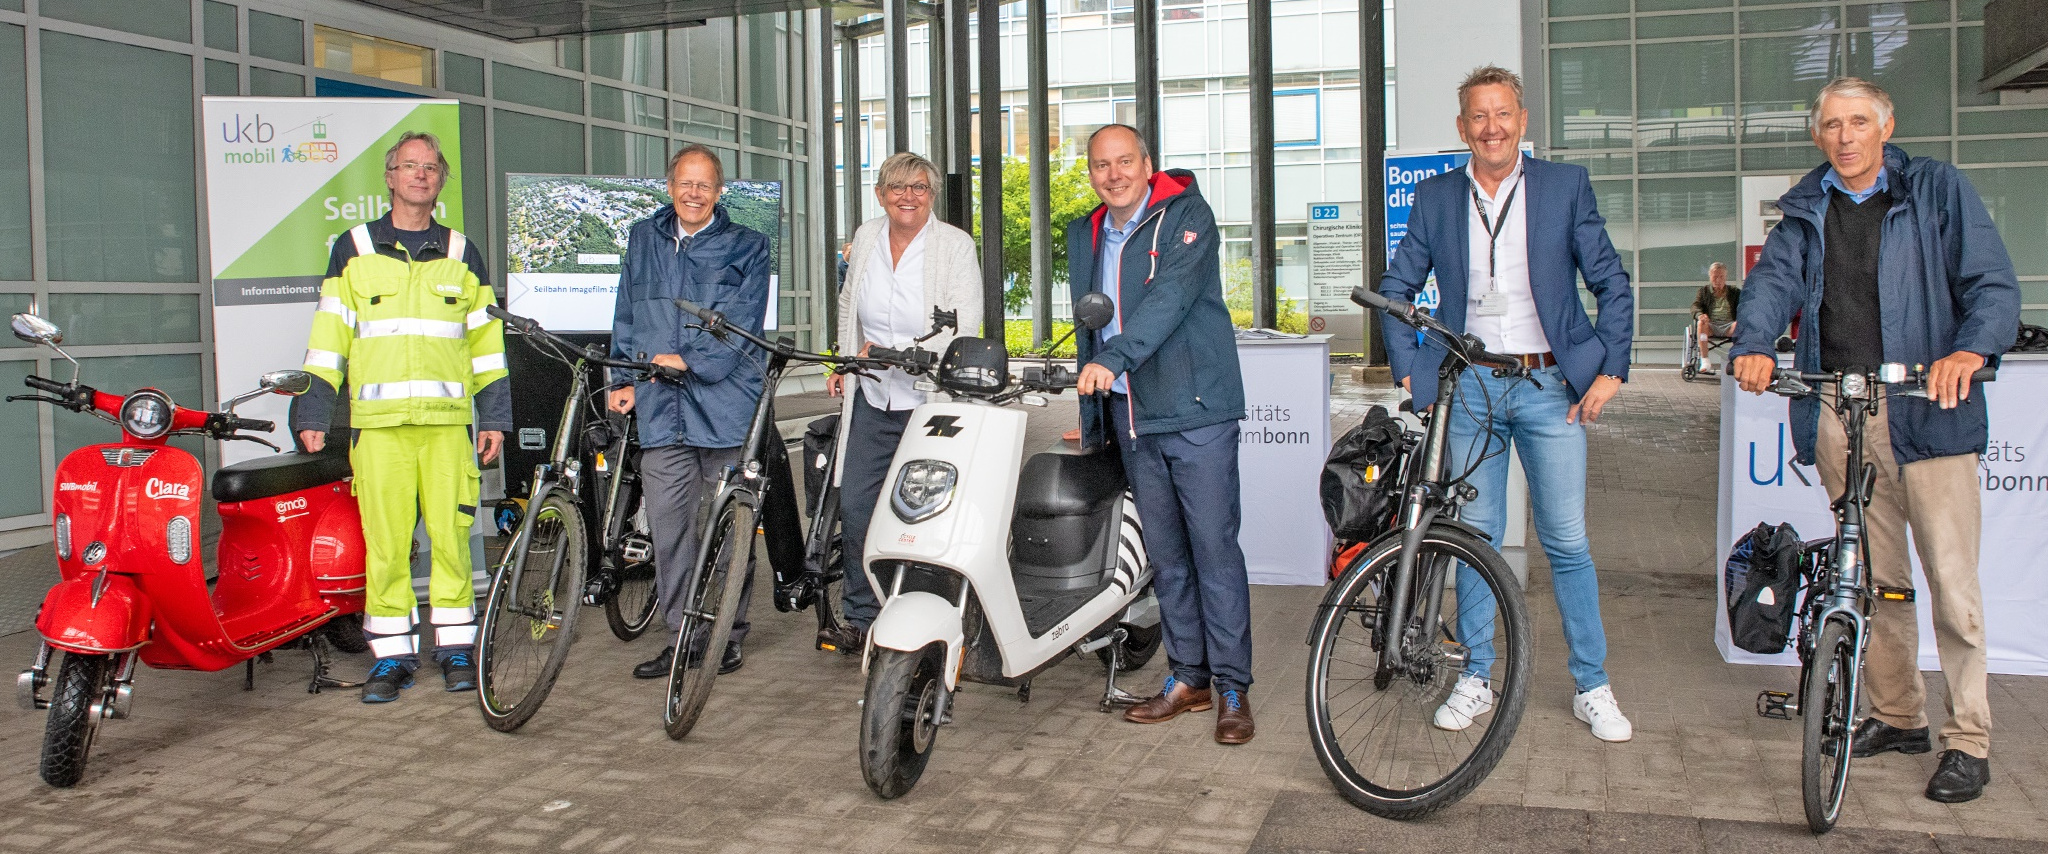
column 1642, row 97
column 100, row 219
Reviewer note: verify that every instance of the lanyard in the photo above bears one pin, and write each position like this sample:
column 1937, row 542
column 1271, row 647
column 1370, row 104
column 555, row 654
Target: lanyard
column 1493, row 228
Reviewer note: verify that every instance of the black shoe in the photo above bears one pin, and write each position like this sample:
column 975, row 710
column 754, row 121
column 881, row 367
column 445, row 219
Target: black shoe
column 387, row 677
column 845, row 639
column 458, row 671
column 732, row 660
column 1960, row 778
column 1876, row 736
column 656, row 667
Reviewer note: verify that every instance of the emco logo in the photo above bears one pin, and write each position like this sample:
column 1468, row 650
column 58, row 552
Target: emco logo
column 159, row 488
column 289, row 506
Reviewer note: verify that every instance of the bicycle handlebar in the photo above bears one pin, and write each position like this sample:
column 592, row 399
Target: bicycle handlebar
column 1466, row 347
column 911, row 359
column 529, row 326
column 1786, row 382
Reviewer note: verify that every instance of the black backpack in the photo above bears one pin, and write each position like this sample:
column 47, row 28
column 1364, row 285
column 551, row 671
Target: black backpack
column 1361, row 480
column 1765, row 571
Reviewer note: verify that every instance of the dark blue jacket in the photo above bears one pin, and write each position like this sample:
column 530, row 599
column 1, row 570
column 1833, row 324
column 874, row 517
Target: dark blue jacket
column 725, row 269
column 1567, row 240
column 1176, row 343
column 1944, row 285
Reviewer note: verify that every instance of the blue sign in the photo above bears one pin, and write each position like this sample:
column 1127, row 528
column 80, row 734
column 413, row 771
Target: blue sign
column 1316, row 212
column 1404, row 171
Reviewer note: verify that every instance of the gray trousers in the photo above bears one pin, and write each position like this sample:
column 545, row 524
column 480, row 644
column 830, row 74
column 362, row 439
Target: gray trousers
column 678, row 480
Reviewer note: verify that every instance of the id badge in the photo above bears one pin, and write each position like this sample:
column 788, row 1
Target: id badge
column 1493, row 304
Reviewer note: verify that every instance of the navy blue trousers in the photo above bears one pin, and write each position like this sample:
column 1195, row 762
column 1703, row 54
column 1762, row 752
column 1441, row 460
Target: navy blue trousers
column 1186, row 486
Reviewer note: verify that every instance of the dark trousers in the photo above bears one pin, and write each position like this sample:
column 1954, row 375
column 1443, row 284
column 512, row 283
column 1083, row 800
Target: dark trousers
column 1186, row 486
column 678, row 479
column 870, row 444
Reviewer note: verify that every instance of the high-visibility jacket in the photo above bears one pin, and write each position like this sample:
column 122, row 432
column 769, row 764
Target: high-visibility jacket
column 410, row 334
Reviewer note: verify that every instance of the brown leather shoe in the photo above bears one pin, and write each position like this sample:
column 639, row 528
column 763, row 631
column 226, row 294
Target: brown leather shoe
column 1173, row 699
column 1234, row 719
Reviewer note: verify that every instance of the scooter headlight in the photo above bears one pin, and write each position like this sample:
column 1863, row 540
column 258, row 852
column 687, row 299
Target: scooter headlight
column 923, row 489
column 178, row 539
column 146, row 414
column 63, row 527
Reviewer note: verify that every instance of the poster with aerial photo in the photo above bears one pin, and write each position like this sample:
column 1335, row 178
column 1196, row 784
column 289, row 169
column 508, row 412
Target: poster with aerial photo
column 565, row 235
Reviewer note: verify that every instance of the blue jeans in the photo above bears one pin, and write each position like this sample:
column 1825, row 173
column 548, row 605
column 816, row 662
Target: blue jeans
column 1553, row 456
column 1186, row 488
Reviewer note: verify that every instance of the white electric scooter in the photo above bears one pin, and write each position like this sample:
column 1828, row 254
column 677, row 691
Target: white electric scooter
column 993, row 567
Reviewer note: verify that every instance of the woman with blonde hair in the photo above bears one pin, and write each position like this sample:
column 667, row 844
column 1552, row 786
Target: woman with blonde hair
column 903, row 265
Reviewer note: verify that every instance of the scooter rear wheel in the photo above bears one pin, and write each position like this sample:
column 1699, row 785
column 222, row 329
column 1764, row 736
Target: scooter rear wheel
column 528, row 625
column 74, row 717
column 897, row 731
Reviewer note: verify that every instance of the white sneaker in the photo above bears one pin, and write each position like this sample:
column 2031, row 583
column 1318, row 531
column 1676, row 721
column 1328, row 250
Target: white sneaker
column 1469, row 699
column 1599, row 710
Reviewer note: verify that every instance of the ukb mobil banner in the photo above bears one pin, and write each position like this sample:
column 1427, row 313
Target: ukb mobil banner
column 1760, row 483
column 286, row 177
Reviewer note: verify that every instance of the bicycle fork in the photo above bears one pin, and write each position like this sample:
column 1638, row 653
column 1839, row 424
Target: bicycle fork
column 1417, row 517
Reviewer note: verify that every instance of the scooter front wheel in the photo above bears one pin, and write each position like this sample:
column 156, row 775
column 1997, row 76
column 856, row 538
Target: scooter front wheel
column 898, row 724
column 74, row 717
column 530, row 616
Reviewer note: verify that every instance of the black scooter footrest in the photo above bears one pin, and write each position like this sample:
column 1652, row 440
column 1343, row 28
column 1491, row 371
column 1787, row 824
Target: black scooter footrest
column 1777, row 705
column 1895, row 594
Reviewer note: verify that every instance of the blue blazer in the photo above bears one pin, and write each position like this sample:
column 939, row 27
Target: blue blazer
column 1567, row 239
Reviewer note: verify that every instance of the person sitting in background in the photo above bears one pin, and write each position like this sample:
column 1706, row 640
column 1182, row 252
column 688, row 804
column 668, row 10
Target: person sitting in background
column 1713, row 309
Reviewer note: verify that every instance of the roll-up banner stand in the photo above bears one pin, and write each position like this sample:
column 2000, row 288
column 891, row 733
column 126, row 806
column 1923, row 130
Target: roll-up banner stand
column 285, row 177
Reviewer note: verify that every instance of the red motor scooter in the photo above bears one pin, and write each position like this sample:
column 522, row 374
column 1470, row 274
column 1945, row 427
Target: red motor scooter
column 133, row 586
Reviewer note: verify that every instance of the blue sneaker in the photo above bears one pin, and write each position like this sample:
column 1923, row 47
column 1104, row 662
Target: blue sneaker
column 458, row 671
column 387, row 677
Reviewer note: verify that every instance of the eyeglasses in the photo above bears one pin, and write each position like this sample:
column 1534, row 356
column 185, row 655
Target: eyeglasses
column 694, row 186
column 427, row 169
column 908, row 189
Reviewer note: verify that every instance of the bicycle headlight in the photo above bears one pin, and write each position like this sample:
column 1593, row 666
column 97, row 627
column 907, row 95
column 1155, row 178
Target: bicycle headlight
column 923, row 489
column 1852, row 385
column 146, row 414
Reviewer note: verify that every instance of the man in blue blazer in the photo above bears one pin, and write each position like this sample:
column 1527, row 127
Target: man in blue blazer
column 1508, row 237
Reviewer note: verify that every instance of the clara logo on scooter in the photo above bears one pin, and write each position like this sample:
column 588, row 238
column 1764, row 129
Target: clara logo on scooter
column 159, row 488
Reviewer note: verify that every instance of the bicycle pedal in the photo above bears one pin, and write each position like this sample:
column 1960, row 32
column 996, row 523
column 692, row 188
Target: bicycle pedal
column 1776, row 705
column 636, row 550
column 1895, row 594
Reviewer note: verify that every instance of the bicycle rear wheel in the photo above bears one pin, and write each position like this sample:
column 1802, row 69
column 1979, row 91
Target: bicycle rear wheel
column 1375, row 729
column 630, row 609
column 1828, row 704
column 712, row 602
column 529, row 623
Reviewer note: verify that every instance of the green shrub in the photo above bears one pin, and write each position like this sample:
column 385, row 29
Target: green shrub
column 1017, row 338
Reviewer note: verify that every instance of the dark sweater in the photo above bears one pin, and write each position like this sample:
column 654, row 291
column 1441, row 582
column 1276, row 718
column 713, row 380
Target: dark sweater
column 1851, row 328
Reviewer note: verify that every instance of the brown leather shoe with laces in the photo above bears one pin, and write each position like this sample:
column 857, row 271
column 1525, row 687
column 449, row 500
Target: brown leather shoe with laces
column 1173, row 699
column 1234, row 719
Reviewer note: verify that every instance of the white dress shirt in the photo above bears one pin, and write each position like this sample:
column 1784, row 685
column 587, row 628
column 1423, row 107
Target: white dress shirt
column 893, row 313
column 1519, row 330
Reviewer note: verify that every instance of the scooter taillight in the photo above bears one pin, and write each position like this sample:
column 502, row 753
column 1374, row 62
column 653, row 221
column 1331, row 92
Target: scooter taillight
column 63, row 530
column 178, row 539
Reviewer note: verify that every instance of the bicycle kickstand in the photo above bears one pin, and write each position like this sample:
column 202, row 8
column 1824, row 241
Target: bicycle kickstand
column 321, row 650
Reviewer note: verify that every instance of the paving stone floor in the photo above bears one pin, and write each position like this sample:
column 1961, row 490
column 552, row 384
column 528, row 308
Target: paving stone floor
column 206, row 766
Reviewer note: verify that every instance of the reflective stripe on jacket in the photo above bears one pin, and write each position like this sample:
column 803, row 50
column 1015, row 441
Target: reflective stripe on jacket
column 410, row 335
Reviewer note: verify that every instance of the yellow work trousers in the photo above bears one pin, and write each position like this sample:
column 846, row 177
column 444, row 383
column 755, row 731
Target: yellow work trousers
column 404, row 474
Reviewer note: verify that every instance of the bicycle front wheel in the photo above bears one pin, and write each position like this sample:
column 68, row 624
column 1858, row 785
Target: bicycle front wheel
column 531, row 616
column 712, row 600
column 1378, row 715
column 1828, row 704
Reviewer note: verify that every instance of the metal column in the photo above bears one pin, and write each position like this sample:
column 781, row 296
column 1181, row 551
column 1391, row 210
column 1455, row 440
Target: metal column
column 987, row 18
column 1145, row 44
column 850, row 132
column 1372, row 126
column 938, row 103
column 1259, row 29
column 896, row 58
column 826, row 161
column 1041, row 172
column 959, row 165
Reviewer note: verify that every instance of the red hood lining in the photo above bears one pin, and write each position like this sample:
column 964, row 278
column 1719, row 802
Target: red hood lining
column 1165, row 185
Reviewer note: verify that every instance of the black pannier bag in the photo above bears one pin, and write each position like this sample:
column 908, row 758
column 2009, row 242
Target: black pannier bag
column 1761, row 586
column 1360, row 481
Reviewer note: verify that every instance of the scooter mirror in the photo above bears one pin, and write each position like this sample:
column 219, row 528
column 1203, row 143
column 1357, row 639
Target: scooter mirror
column 1094, row 311
column 36, row 330
column 290, row 383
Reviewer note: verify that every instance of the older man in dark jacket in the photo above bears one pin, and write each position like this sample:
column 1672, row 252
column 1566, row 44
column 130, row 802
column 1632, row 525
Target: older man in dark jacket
column 1169, row 362
column 1891, row 258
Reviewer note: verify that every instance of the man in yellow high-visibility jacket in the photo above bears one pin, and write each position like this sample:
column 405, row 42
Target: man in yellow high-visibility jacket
column 402, row 320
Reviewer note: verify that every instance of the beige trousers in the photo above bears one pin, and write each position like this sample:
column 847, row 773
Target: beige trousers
column 1939, row 499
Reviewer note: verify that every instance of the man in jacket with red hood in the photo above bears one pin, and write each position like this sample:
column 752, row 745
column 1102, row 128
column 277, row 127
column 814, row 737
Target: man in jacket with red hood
column 1168, row 360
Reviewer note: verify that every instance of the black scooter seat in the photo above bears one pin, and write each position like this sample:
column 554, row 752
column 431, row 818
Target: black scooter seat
column 277, row 474
column 1069, row 484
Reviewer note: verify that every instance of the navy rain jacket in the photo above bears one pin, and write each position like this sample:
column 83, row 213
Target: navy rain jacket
column 1177, row 342
column 725, row 269
column 1944, row 285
